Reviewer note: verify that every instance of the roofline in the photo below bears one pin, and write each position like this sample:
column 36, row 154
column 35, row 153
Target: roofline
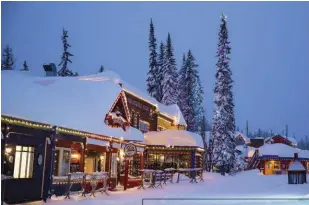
column 155, row 105
column 59, row 129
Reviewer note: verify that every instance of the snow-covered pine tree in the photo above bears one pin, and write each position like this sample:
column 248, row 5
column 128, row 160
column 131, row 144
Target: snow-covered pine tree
column 192, row 94
column 64, row 71
column 152, row 80
column 199, row 102
column 223, row 123
column 161, row 68
column 25, row 67
column 8, row 59
column 170, row 78
column 183, row 92
column 101, row 69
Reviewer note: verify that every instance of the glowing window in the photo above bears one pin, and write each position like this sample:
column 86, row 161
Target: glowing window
column 23, row 164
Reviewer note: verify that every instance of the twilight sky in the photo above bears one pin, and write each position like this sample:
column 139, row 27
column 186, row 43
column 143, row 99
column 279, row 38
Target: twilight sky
column 269, row 40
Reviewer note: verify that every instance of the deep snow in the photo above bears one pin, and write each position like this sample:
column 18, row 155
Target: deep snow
column 248, row 184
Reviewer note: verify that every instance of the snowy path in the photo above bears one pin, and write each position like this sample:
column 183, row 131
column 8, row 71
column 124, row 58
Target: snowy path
column 249, row 184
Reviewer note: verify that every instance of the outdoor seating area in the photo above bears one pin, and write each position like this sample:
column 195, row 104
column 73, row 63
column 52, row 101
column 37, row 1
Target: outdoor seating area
column 80, row 183
column 157, row 178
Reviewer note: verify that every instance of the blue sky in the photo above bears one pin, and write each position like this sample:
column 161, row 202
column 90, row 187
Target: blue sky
column 269, row 40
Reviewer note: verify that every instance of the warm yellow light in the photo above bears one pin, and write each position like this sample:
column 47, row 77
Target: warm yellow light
column 75, row 156
column 8, row 150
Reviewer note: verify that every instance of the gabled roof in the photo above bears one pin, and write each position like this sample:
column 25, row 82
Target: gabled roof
column 245, row 138
column 296, row 165
column 290, row 139
column 172, row 111
column 70, row 102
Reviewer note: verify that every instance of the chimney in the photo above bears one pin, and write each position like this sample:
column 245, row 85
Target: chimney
column 295, row 156
column 50, row 69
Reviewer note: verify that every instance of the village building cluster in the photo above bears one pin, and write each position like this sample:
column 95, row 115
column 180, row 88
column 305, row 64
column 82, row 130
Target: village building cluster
column 53, row 126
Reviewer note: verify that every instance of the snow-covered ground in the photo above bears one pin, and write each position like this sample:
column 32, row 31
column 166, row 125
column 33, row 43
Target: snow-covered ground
column 248, row 184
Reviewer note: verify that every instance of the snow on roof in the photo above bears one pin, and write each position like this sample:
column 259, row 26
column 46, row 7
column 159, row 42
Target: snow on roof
column 282, row 150
column 174, row 138
column 246, row 151
column 70, row 102
column 296, row 165
column 243, row 136
column 172, row 110
column 291, row 139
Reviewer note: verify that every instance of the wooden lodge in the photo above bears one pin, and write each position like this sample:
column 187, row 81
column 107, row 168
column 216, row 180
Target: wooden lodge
column 276, row 158
column 55, row 126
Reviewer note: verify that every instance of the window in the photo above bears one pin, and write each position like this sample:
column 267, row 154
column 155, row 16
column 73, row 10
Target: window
column 269, row 164
column 276, row 165
column 62, row 161
column 19, row 161
column 114, row 165
column 143, row 126
column 102, row 162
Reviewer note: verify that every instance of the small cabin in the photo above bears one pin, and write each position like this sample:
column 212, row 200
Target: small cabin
column 297, row 172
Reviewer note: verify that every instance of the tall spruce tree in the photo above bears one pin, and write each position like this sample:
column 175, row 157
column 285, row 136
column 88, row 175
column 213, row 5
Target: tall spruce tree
column 64, row 71
column 153, row 86
column 183, row 92
column 8, row 59
column 170, row 79
column 223, row 123
column 25, row 66
column 161, row 68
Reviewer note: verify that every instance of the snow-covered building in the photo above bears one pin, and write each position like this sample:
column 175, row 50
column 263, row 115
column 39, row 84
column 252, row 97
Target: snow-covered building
column 297, row 172
column 173, row 148
column 281, row 139
column 77, row 124
column 276, row 158
column 241, row 139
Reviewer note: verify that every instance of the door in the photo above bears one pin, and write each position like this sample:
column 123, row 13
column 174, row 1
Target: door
column 24, row 161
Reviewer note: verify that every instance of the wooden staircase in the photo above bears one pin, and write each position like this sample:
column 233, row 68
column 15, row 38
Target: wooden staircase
column 253, row 163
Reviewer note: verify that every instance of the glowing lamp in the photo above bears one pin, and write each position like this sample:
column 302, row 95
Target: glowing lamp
column 8, row 150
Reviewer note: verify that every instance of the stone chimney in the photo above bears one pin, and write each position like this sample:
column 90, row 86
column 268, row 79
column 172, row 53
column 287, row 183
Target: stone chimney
column 295, row 156
column 50, row 69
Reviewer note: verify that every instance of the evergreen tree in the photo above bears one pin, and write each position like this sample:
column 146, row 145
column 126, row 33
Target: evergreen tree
column 25, row 67
column 161, row 68
column 8, row 59
column 101, row 69
column 64, row 71
column 152, row 80
column 170, row 75
column 183, row 90
column 223, row 127
column 191, row 94
column 203, row 135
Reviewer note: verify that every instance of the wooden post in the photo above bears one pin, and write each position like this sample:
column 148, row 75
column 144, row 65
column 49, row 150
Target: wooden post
column 141, row 161
column 126, row 173
column 83, row 156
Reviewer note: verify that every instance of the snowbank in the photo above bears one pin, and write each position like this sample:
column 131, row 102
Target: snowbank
column 174, row 137
column 282, row 150
column 70, row 102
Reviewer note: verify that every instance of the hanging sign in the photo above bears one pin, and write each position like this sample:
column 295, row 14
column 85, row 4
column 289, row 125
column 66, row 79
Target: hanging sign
column 130, row 150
